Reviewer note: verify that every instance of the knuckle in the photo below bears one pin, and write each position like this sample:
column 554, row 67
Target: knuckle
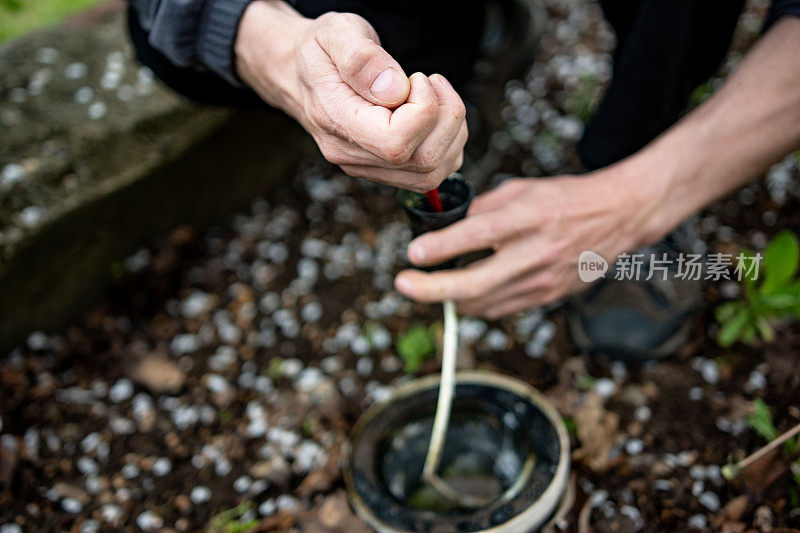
column 429, row 159
column 486, row 232
column 323, row 120
column 459, row 161
column 347, row 20
column 429, row 111
column 358, row 55
column 396, row 153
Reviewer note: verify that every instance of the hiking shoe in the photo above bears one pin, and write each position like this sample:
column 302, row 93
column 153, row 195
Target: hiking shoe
column 637, row 320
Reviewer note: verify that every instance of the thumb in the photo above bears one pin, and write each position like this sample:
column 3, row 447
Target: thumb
column 363, row 64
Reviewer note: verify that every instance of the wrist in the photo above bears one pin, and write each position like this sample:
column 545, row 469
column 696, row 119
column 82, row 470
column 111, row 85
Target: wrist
column 640, row 192
column 265, row 50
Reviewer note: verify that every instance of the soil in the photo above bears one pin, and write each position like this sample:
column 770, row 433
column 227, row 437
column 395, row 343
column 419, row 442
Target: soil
column 88, row 426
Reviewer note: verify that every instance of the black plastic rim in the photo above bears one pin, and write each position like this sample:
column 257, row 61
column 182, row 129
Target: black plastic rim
column 456, row 194
column 526, row 509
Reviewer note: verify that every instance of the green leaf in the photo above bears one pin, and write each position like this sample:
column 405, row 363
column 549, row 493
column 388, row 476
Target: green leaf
column 11, row 5
column 415, row 346
column 748, row 334
column 725, row 312
column 732, row 328
column 761, row 420
column 765, row 330
column 781, row 260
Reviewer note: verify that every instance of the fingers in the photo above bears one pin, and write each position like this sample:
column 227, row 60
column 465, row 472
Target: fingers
column 392, row 136
column 471, row 282
column 531, row 283
column 476, row 232
column 498, row 197
column 435, row 154
column 450, row 124
column 353, row 46
column 413, row 179
column 509, row 306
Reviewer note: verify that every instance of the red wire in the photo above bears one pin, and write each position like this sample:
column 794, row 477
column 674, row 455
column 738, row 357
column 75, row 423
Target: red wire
column 434, row 200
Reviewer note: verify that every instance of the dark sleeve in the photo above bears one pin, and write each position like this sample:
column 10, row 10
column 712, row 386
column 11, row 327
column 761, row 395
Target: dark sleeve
column 195, row 82
column 193, row 33
column 781, row 8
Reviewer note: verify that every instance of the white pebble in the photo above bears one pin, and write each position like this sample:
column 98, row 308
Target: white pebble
column 75, row 71
column 11, row 174
column 697, row 521
column 331, row 364
column 285, row 502
column 161, row 467
column 290, row 368
column 755, row 382
column 605, row 387
column 121, row 391
column 634, row 447
column 84, row 95
column 200, row 494
column 710, row 501
column 149, row 521
column 242, row 484
column 364, row 366
column 311, row 312
column 71, row 505
column 360, row 345
column 496, row 340
column 267, row 508
column 31, row 216
column 47, row 55
column 184, row 343
column 97, row 110
column 642, row 413
column 710, row 371
column 130, row 471
column 110, row 513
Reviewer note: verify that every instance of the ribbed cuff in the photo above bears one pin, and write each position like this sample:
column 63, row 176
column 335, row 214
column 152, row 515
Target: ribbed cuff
column 217, row 35
column 781, row 8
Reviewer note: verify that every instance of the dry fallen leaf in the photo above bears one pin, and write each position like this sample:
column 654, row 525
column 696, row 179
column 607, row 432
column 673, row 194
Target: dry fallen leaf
column 333, row 516
column 762, row 474
column 597, row 430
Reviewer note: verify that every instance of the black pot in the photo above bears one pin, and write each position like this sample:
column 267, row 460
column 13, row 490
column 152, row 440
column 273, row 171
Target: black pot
column 503, row 435
column 456, row 194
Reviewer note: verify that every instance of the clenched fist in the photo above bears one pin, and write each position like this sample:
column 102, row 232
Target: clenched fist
column 365, row 114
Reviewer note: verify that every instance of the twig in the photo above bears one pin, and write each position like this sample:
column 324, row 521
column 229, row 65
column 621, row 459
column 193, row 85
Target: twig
column 730, row 471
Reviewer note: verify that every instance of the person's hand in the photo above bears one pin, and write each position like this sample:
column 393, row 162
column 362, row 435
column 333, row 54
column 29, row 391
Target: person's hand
column 366, row 116
column 537, row 229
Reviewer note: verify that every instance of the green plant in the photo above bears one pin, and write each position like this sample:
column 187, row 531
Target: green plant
column 761, row 422
column 583, row 100
column 770, row 297
column 701, row 93
column 585, row 381
column 20, row 16
column 415, row 346
column 234, row 520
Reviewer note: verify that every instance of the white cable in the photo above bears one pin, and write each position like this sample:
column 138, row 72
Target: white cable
column 446, row 390
column 441, row 419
